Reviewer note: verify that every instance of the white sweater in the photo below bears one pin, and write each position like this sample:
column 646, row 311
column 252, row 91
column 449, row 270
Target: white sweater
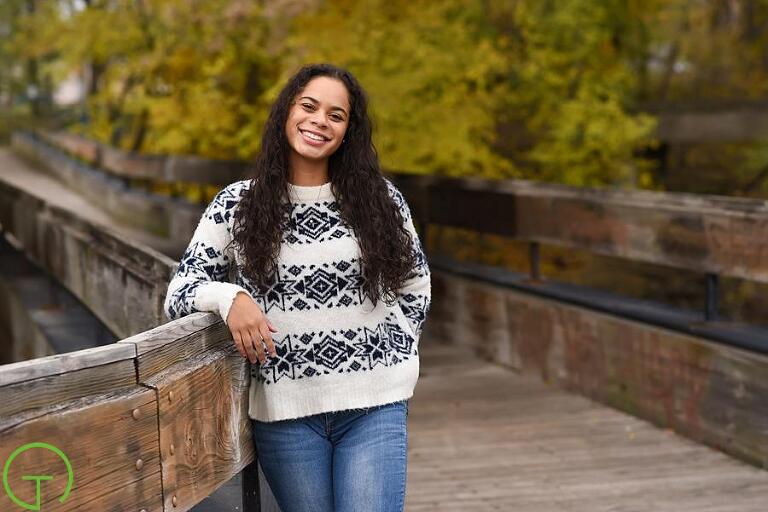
column 335, row 351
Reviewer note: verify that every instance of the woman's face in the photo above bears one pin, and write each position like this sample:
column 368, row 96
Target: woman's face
column 318, row 118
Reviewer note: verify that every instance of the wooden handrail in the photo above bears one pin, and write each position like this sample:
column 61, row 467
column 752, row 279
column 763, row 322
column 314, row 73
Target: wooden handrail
column 159, row 419
column 156, row 421
column 708, row 234
column 129, row 164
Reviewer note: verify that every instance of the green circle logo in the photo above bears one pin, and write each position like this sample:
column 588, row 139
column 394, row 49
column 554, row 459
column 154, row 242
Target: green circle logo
column 36, row 478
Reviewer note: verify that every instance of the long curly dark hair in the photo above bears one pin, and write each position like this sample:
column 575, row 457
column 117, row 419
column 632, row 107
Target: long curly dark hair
column 359, row 186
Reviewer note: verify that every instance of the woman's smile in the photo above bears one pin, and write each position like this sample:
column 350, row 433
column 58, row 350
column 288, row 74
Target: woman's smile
column 314, row 138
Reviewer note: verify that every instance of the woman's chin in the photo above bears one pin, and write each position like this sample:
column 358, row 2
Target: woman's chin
column 311, row 153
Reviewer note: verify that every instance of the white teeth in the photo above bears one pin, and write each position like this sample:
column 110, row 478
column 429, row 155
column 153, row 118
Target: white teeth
column 313, row 136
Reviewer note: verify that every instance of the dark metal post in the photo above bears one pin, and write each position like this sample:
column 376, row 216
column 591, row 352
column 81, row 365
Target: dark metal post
column 250, row 485
column 710, row 310
column 533, row 259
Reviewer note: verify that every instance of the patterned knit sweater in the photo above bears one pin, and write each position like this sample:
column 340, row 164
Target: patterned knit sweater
column 335, row 350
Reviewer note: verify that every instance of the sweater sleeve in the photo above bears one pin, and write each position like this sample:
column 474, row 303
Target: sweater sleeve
column 199, row 281
column 415, row 296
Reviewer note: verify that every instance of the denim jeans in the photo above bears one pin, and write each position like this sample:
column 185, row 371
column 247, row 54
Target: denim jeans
column 344, row 461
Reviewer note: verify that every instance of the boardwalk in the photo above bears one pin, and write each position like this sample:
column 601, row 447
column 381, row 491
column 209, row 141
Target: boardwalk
column 484, row 438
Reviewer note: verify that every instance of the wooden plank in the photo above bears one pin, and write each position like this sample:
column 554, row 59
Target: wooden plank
column 127, row 164
column 204, row 425
column 104, row 439
column 482, row 437
column 711, row 392
column 26, row 399
column 63, row 363
column 178, row 341
column 91, row 260
column 718, row 234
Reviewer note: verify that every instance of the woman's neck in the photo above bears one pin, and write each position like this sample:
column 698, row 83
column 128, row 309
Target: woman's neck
column 307, row 173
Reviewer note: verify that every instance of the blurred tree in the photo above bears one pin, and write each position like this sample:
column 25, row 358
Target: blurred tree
column 432, row 70
column 571, row 87
column 166, row 76
column 544, row 89
column 535, row 89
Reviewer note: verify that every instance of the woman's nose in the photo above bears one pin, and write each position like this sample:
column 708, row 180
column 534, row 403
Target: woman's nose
column 318, row 120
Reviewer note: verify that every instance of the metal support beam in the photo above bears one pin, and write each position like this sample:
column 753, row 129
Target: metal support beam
column 710, row 310
column 533, row 260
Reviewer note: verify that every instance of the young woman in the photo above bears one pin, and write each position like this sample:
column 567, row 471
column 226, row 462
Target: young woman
column 316, row 267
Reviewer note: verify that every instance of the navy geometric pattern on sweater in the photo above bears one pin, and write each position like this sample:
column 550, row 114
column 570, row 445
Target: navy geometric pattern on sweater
column 326, row 327
column 312, row 223
column 337, row 284
column 343, row 351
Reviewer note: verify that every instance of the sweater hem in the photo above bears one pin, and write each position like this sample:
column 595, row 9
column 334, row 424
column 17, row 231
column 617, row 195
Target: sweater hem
column 353, row 392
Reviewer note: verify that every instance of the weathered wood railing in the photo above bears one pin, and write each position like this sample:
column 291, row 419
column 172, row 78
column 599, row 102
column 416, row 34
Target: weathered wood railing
column 680, row 369
column 128, row 164
column 165, row 217
column 156, row 421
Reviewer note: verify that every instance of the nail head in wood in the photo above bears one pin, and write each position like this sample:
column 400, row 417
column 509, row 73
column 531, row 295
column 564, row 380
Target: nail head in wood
column 136, row 414
column 139, row 464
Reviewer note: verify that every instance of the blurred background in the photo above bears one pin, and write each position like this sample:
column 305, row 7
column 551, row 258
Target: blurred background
column 666, row 95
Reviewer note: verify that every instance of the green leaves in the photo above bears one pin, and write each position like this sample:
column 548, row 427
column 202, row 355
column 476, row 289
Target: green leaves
column 531, row 89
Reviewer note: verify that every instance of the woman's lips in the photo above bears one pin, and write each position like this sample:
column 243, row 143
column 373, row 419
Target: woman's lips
column 312, row 142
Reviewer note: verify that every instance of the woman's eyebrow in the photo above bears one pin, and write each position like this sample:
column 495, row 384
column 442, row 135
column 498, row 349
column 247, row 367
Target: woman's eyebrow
column 313, row 100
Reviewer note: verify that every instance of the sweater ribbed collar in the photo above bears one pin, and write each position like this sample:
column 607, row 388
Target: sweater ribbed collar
column 309, row 194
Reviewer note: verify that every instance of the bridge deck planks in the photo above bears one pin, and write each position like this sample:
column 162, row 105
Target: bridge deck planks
column 485, row 438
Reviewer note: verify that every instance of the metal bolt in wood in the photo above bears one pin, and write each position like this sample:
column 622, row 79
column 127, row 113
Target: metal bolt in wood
column 173, row 500
column 139, row 464
column 170, row 396
column 136, row 414
column 172, row 449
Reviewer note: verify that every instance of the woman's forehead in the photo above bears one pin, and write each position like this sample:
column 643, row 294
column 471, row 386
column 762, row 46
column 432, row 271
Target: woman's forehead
column 327, row 90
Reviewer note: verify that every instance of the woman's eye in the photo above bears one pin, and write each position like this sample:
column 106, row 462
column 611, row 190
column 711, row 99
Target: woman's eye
column 308, row 106
column 337, row 117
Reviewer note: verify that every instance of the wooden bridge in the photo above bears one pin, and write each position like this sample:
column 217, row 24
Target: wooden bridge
column 533, row 395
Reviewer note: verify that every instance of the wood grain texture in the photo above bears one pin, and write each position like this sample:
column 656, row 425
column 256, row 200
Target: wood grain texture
column 177, row 342
column 204, row 426
column 485, row 438
column 43, row 396
column 91, row 260
column 104, row 437
column 711, row 392
column 718, row 234
column 63, row 363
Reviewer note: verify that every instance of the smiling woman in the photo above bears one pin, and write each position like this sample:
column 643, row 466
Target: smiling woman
column 315, row 128
column 321, row 242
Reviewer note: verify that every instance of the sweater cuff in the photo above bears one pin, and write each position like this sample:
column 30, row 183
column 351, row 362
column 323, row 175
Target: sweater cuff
column 217, row 297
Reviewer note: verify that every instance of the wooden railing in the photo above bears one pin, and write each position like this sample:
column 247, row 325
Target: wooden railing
column 713, row 235
column 156, row 421
column 128, row 164
column 681, row 369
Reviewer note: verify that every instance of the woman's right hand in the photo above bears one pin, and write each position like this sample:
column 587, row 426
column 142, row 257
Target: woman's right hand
column 249, row 326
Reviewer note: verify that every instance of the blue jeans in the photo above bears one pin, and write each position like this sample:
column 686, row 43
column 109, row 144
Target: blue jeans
column 344, row 461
